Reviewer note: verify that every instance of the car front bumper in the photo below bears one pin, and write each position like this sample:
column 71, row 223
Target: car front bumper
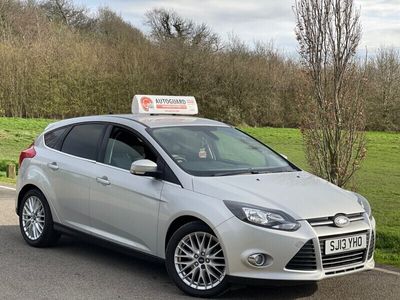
column 240, row 239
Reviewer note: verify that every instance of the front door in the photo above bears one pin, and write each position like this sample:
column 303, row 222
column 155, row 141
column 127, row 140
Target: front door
column 124, row 207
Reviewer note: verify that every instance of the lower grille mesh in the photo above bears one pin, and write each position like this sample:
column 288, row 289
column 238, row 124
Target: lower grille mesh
column 343, row 270
column 342, row 259
column 304, row 259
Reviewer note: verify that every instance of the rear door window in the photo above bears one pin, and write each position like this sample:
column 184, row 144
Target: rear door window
column 83, row 140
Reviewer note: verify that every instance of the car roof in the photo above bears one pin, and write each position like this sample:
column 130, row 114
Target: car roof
column 152, row 121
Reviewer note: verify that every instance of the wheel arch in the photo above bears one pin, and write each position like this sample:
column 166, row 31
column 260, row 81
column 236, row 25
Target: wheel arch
column 22, row 193
column 179, row 222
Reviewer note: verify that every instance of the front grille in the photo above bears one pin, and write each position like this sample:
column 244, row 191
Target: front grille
column 328, row 221
column 342, row 259
column 371, row 246
column 304, row 259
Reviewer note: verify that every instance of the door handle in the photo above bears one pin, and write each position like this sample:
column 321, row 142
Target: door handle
column 53, row 166
column 103, row 180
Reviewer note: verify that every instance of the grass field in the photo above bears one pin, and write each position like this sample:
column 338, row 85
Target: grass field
column 378, row 180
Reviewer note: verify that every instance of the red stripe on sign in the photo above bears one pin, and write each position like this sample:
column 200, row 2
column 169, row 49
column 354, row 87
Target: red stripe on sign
column 170, row 106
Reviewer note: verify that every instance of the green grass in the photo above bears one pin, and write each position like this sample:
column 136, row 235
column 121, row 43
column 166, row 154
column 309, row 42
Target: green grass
column 17, row 134
column 378, row 179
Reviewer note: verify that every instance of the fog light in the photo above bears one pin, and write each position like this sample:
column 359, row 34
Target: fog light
column 257, row 259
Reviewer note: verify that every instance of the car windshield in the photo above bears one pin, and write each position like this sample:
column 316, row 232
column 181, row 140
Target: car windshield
column 218, row 151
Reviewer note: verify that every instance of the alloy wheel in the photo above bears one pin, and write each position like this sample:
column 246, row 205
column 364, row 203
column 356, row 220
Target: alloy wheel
column 33, row 218
column 199, row 261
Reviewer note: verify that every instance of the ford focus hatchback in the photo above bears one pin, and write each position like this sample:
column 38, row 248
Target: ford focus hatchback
column 215, row 203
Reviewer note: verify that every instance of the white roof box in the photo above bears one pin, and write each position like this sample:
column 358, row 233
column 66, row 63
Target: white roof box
column 173, row 105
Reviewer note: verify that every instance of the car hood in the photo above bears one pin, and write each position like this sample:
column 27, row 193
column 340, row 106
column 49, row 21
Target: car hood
column 301, row 194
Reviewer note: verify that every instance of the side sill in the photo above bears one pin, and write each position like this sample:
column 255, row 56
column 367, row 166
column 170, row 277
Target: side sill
column 87, row 238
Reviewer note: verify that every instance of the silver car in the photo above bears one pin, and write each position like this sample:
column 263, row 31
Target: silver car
column 216, row 204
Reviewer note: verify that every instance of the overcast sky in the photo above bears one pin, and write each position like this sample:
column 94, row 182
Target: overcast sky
column 261, row 20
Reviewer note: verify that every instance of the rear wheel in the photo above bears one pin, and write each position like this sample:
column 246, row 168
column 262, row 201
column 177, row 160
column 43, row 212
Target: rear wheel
column 35, row 220
column 195, row 261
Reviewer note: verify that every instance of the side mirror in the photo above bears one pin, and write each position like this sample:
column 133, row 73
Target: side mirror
column 283, row 155
column 144, row 167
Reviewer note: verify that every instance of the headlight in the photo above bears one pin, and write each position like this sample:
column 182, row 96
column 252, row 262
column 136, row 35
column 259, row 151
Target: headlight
column 364, row 204
column 263, row 217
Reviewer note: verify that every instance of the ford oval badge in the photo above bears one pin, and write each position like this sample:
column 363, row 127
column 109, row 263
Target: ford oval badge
column 341, row 221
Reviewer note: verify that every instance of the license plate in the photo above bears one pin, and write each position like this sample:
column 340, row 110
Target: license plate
column 345, row 244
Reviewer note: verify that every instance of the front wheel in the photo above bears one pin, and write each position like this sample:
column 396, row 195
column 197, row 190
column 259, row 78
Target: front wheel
column 195, row 261
column 35, row 220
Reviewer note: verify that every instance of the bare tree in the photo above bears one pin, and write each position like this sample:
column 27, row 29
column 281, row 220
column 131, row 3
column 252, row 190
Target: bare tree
column 109, row 24
column 328, row 33
column 384, row 99
column 167, row 25
column 66, row 12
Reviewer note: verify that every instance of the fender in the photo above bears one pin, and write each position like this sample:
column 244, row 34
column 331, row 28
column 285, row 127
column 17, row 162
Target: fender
column 207, row 209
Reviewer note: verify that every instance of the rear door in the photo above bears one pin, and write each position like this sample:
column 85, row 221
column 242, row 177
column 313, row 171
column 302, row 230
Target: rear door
column 70, row 170
column 124, row 207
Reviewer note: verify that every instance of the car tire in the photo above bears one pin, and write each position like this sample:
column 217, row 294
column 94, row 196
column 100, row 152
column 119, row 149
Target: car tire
column 195, row 261
column 36, row 221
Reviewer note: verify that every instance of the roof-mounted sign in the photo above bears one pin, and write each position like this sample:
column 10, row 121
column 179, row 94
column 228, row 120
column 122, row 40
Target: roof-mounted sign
column 176, row 105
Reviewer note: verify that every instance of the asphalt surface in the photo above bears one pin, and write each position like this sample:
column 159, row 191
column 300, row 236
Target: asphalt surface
column 77, row 270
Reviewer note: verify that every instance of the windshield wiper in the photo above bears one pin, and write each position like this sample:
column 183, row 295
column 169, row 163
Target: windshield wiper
column 241, row 172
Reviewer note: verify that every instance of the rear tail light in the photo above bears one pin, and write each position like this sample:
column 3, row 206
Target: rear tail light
column 28, row 153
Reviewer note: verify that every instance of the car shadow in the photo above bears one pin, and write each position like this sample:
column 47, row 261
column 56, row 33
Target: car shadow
column 155, row 269
column 77, row 267
column 271, row 292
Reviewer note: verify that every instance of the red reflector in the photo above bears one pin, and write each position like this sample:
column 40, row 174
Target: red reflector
column 28, row 153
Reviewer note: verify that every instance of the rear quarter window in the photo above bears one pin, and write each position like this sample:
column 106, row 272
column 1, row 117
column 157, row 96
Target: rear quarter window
column 83, row 140
column 52, row 138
